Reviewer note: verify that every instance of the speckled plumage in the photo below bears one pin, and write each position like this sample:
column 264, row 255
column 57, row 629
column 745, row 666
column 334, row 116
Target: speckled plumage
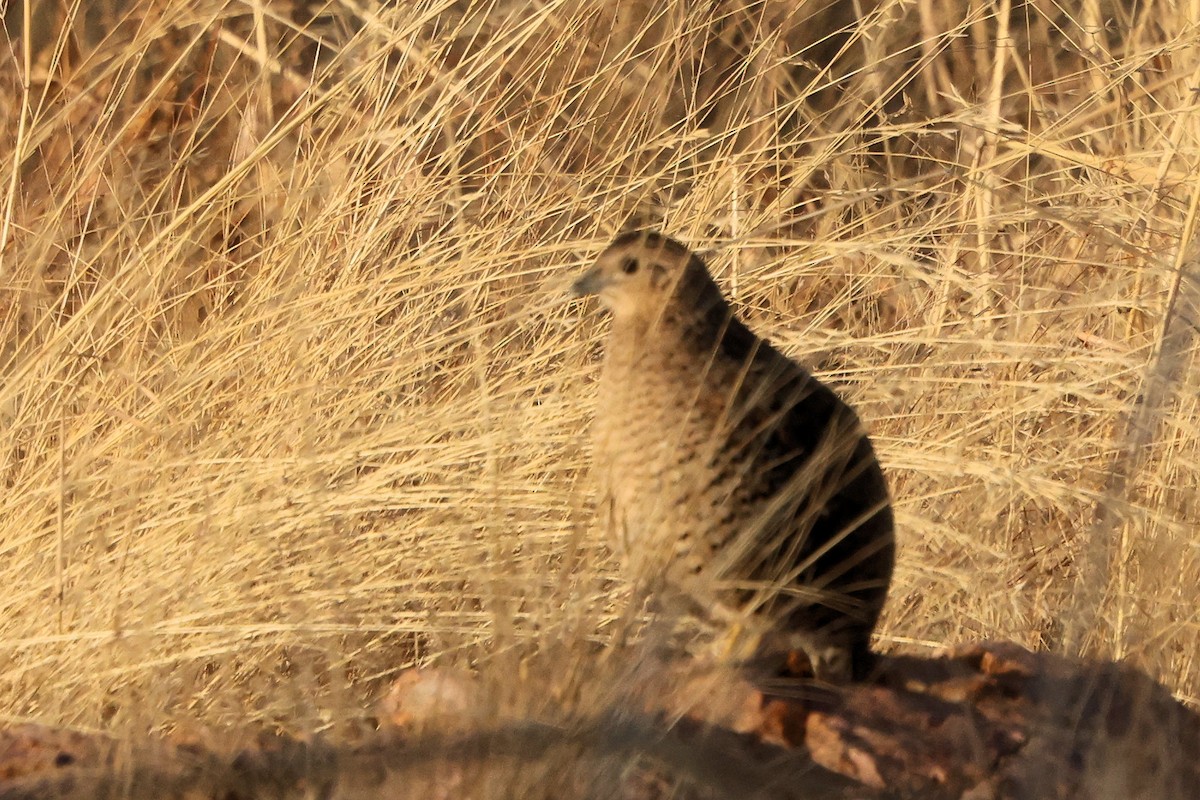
column 727, row 472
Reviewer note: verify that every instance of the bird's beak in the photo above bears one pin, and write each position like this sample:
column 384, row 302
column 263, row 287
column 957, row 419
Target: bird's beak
column 590, row 282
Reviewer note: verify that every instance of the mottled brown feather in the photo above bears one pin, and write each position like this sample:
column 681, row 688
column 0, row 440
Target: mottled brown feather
column 728, row 472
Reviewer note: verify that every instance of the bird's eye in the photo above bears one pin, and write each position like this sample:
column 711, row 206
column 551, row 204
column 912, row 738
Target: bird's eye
column 629, row 265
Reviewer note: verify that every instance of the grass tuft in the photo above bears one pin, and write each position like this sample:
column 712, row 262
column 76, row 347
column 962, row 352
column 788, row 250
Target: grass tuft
column 292, row 398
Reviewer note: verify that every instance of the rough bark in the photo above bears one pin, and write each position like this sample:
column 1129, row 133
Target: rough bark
column 988, row 722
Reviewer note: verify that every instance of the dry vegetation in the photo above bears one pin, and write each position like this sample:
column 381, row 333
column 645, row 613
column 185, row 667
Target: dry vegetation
column 292, row 397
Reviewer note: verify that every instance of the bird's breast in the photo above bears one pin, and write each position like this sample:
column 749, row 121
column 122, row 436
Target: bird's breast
column 661, row 427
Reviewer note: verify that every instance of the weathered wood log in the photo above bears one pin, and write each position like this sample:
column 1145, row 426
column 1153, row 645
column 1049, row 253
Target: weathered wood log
column 986, row 722
column 997, row 721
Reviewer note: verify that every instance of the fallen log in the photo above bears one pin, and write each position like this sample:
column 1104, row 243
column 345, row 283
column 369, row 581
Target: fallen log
column 985, row 722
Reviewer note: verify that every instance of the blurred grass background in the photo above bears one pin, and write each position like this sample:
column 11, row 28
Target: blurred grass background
column 292, row 398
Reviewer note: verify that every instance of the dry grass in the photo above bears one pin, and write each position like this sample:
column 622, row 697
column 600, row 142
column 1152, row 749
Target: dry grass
column 292, row 397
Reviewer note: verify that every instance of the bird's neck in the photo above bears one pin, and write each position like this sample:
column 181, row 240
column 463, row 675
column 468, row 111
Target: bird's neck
column 670, row 338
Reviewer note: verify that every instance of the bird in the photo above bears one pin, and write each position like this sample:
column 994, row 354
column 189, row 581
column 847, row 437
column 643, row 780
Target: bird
column 730, row 476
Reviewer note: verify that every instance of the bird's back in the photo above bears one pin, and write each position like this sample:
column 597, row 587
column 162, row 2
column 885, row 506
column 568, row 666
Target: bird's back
column 813, row 506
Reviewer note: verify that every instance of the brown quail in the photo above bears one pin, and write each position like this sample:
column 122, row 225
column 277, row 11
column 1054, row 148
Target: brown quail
column 729, row 475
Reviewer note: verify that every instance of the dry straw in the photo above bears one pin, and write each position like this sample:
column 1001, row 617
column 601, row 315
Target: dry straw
column 291, row 397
